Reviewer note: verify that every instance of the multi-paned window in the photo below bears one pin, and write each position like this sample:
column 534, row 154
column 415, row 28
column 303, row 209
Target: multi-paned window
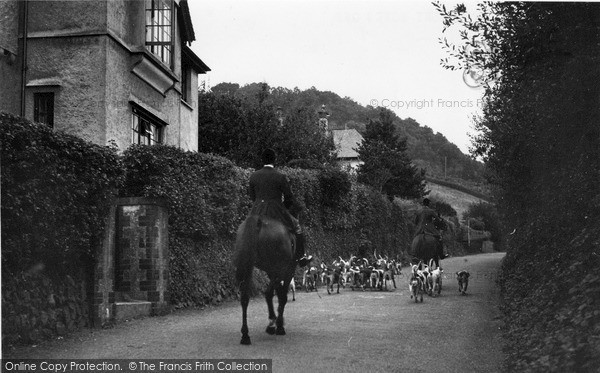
column 43, row 108
column 159, row 29
column 145, row 129
column 185, row 82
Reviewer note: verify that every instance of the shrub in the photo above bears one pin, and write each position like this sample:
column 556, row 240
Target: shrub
column 207, row 201
column 485, row 217
column 335, row 186
column 306, row 164
column 56, row 193
column 443, row 207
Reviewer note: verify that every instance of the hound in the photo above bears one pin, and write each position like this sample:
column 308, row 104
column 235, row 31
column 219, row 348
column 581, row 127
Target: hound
column 347, row 275
column 310, row 279
column 293, row 289
column 436, row 280
column 463, row 281
column 333, row 277
column 415, row 283
column 389, row 274
column 426, row 277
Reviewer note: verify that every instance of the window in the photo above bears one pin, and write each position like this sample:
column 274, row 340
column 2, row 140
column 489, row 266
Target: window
column 145, row 129
column 185, row 83
column 159, row 29
column 43, row 108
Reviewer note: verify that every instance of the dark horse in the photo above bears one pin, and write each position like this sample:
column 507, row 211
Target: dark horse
column 268, row 245
column 426, row 246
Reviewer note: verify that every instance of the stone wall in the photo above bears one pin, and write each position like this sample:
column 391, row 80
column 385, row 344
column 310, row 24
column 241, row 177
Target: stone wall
column 36, row 307
column 131, row 264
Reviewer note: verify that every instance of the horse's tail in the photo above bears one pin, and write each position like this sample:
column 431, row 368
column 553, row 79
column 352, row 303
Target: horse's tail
column 246, row 244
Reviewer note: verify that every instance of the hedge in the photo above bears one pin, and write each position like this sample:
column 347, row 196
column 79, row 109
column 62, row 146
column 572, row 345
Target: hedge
column 208, row 199
column 56, row 192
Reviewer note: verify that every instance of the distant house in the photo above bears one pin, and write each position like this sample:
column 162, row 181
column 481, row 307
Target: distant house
column 346, row 142
column 109, row 71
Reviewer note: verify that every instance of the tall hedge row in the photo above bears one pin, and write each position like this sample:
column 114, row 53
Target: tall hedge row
column 208, row 200
column 56, row 193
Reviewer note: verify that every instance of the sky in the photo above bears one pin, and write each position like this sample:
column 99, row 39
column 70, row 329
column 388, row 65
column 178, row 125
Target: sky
column 379, row 53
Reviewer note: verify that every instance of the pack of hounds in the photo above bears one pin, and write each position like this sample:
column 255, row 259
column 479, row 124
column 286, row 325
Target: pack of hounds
column 377, row 274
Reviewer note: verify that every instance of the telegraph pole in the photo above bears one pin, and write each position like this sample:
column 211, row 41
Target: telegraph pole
column 445, row 168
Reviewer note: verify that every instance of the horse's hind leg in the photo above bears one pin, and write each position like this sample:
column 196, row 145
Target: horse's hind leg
column 269, row 298
column 245, row 300
column 282, row 300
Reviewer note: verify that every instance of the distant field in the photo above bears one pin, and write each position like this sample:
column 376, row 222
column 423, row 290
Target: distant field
column 457, row 199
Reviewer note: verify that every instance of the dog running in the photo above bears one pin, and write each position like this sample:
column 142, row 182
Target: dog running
column 463, row 281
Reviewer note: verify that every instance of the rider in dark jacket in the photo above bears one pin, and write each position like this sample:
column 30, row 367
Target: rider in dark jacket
column 272, row 196
column 426, row 220
column 426, row 225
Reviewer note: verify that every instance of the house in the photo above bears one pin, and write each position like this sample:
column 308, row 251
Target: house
column 109, row 71
column 346, row 142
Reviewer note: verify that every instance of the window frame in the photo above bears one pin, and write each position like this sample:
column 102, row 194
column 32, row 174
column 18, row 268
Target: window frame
column 155, row 30
column 147, row 127
column 44, row 114
column 185, row 82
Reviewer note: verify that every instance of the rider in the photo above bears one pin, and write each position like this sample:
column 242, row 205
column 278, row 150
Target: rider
column 426, row 225
column 272, row 197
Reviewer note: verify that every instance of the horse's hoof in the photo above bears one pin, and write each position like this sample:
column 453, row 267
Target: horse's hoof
column 280, row 331
column 271, row 330
column 245, row 340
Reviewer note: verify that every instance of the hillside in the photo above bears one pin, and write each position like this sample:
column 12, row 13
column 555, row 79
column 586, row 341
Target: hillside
column 460, row 201
column 428, row 150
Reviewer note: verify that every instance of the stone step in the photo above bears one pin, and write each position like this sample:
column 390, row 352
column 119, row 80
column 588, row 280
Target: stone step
column 132, row 310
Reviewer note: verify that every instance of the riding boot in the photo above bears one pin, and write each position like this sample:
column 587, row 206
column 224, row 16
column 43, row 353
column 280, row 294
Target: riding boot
column 301, row 257
column 440, row 252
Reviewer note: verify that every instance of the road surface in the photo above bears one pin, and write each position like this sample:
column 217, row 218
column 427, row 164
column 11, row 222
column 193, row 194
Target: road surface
column 354, row 331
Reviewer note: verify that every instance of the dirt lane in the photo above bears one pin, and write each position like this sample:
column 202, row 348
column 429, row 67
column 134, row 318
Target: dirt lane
column 352, row 331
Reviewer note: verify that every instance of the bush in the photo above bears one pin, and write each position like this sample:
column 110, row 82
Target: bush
column 443, row 207
column 56, row 193
column 207, row 201
column 484, row 216
column 335, row 185
column 306, row 164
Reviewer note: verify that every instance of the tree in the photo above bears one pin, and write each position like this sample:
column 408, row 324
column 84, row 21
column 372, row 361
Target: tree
column 226, row 89
column 386, row 166
column 239, row 128
column 537, row 130
column 539, row 63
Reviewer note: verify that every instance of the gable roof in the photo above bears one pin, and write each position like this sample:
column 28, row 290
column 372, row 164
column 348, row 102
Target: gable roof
column 188, row 36
column 346, row 141
column 186, row 28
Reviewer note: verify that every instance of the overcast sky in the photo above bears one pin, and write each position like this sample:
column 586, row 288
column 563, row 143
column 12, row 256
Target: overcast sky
column 380, row 53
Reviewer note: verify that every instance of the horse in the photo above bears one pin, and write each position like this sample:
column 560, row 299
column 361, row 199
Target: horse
column 424, row 246
column 269, row 245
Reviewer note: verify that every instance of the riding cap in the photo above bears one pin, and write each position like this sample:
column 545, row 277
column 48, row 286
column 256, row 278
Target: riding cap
column 268, row 156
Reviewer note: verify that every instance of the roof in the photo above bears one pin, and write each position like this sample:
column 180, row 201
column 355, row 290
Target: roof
column 188, row 36
column 193, row 60
column 346, row 141
column 187, row 29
